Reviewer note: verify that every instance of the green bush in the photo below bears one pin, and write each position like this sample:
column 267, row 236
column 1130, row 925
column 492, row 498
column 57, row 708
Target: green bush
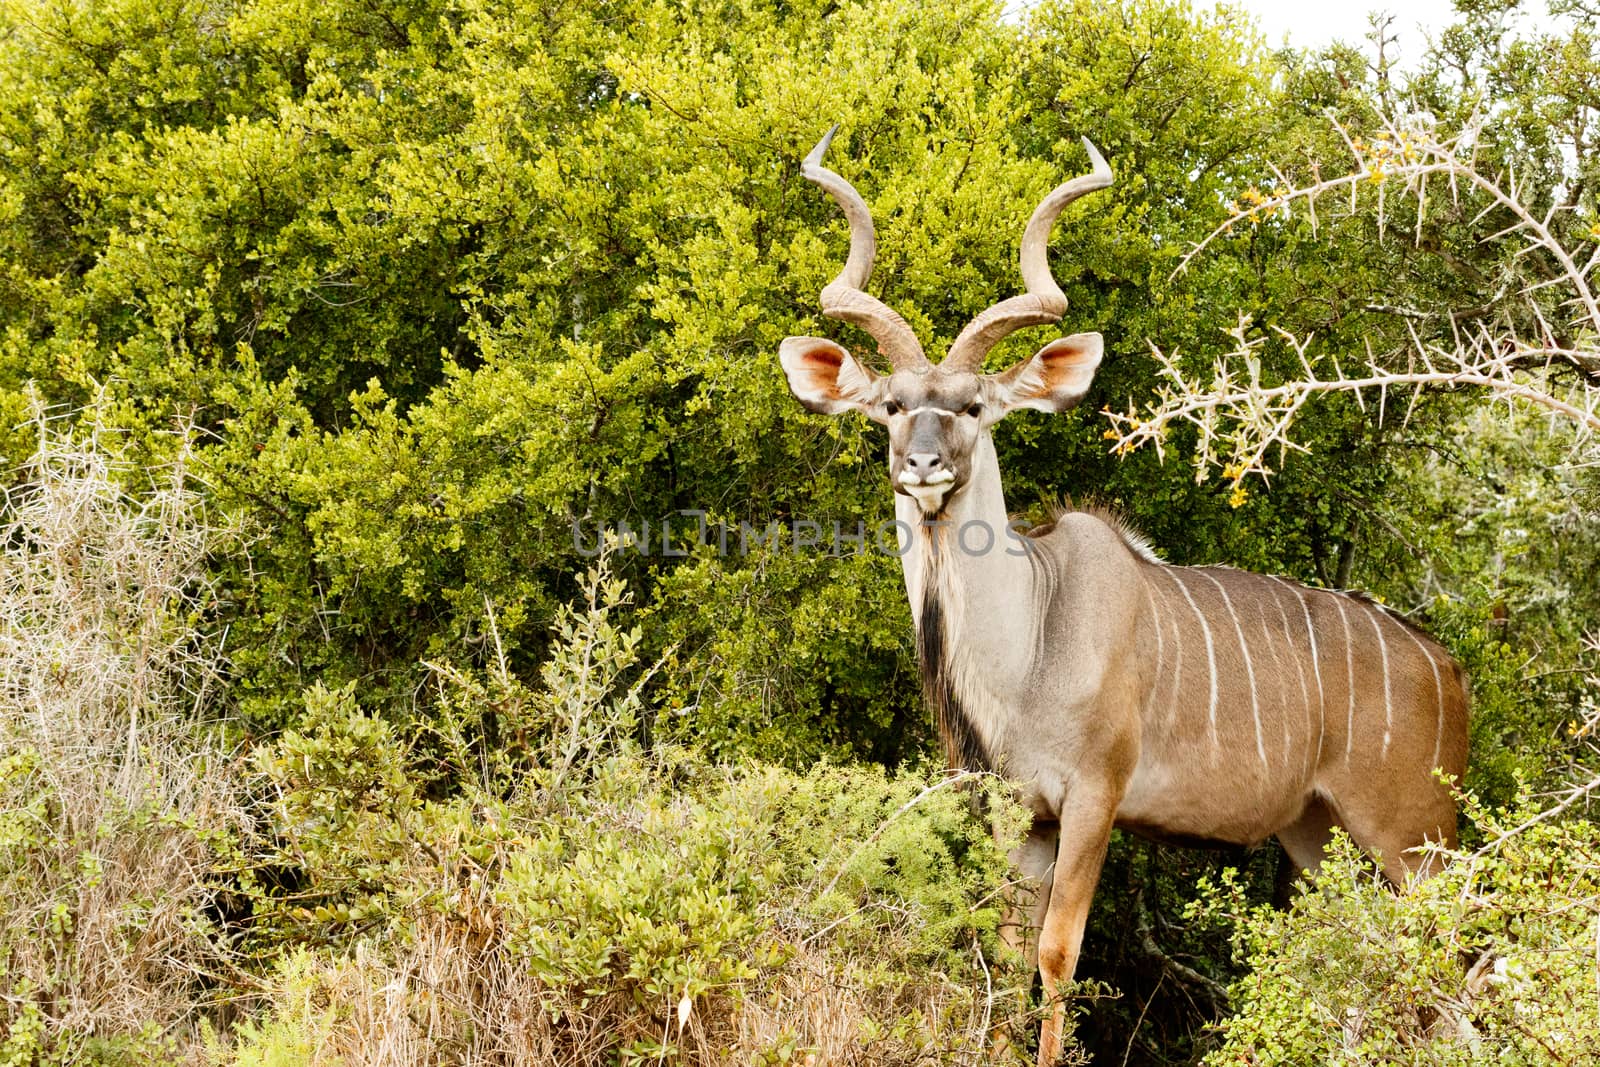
column 1492, row 961
column 698, row 894
column 614, row 895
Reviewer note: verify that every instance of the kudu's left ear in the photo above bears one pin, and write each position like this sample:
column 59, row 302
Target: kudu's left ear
column 826, row 378
column 1053, row 378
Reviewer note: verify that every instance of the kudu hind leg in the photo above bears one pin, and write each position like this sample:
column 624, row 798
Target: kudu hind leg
column 1307, row 838
column 1395, row 836
column 1085, row 835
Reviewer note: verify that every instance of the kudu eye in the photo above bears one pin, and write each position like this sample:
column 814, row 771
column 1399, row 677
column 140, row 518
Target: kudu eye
column 975, row 410
column 891, row 408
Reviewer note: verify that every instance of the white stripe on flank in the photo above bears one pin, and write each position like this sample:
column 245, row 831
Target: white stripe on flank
column 1350, row 672
column 1316, row 665
column 1299, row 673
column 1388, row 704
column 1161, row 659
column 1177, row 667
column 1282, row 677
column 1250, row 672
column 1438, row 693
column 1211, row 654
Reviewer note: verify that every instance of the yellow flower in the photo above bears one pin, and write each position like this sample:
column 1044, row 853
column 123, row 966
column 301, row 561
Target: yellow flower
column 1239, row 496
column 1111, row 435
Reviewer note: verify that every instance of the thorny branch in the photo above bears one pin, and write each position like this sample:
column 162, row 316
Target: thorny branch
column 1244, row 420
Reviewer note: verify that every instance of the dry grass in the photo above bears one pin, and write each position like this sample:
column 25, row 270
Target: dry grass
column 453, row 995
column 829, row 1007
column 108, row 783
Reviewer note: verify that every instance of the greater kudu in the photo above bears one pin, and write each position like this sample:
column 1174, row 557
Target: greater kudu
column 1183, row 703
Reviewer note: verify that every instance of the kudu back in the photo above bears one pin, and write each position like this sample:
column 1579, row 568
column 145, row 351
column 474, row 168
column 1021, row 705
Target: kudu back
column 1193, row 704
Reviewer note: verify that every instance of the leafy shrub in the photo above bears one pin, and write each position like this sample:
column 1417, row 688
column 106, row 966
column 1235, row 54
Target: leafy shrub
column 688, row 922
column 1492, row 961
column 578, row 899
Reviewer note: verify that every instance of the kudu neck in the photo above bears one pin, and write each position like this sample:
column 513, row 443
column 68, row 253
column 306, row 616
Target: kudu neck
column 981, row 575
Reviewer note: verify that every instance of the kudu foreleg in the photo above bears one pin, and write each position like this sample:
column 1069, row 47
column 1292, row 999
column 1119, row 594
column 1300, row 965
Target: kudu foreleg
column 1085, row 835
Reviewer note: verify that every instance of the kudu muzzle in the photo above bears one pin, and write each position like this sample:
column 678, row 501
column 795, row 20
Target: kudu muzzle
column 922, row 470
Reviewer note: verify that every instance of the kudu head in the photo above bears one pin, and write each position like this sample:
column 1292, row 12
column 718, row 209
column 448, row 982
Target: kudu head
column 936, row 413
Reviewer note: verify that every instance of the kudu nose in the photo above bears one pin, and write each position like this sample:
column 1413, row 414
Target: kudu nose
column 923, row 464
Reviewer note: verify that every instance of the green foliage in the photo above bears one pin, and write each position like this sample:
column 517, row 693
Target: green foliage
column 616, row 888
column 792, row 654
column 270, row 1043
column 700, row 887
column 347, row 815
column 1489, row 962
column 449, row 279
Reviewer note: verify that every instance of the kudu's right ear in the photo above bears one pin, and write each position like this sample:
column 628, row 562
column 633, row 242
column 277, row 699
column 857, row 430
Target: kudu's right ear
column 826, row 378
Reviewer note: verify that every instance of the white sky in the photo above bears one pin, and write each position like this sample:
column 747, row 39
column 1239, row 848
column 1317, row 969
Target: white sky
column 1314, row 23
